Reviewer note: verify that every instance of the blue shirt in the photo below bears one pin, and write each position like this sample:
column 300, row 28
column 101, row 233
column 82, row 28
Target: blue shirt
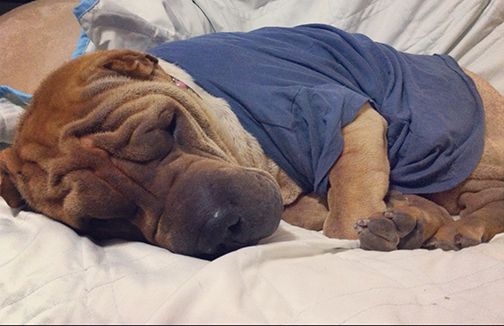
column 294, row 89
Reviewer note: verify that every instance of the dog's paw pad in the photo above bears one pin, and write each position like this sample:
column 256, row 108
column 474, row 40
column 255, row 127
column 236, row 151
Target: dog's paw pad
column 455, row 237
column 464, row 242
column 391, row 230
column 377, row 234
column 404, row 223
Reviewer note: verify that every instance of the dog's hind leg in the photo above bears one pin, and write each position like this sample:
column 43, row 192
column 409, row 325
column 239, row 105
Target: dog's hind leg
column 480, row 199
column 481, row 217
column 412, row 221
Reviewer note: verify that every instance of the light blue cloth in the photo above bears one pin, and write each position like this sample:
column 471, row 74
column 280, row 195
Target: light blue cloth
column 295, row 88
column 15, row 96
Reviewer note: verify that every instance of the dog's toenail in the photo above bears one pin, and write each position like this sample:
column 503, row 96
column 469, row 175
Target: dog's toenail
column 388, row 214
column 362, row 222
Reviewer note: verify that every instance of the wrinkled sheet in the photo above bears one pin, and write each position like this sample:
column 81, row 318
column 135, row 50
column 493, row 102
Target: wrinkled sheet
column 51, row 275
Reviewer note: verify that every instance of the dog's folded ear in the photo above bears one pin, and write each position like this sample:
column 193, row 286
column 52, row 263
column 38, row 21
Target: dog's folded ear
column 8, row 188
column 132, row 64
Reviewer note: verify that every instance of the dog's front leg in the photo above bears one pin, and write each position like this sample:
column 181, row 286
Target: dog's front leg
column 359, row 180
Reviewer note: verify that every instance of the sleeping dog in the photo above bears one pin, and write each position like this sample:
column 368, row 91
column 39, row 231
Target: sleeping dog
column 201, row 146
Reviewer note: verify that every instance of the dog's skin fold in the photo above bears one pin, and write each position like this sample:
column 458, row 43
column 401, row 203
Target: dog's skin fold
column 112, row 147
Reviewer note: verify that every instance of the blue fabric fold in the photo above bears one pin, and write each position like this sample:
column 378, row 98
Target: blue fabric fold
column 15, row 96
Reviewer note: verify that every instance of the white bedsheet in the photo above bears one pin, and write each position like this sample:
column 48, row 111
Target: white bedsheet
column 50, row 275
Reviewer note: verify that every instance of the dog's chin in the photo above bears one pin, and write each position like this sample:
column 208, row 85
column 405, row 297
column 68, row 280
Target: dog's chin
column 225, row 249
column 212, row 253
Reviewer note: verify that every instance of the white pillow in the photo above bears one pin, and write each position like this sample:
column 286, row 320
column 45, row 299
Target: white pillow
column 470, row 31
column 137, row 25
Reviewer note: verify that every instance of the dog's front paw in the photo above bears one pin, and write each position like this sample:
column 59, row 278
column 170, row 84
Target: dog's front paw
column 389, row 231
column 456, row 235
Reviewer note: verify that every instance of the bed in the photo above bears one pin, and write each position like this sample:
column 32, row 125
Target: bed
column 51, row 275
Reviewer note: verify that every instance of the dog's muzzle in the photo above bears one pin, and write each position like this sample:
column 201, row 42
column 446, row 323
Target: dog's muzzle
column 220, row 210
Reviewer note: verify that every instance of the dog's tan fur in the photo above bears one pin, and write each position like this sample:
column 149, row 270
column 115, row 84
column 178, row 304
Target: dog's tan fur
column 358, row 203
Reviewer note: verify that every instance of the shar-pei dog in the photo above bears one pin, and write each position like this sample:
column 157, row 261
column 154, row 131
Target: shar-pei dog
column 201, row 146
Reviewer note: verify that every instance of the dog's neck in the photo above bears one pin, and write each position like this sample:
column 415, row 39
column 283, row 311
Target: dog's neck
column 248, row 150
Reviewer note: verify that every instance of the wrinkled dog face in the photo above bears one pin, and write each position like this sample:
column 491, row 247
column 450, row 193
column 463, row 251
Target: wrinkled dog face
column 111, row 147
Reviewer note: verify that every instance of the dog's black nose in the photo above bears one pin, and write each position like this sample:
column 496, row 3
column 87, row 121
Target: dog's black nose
column 239, row 215
column 228, row 231
column 223, row 233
